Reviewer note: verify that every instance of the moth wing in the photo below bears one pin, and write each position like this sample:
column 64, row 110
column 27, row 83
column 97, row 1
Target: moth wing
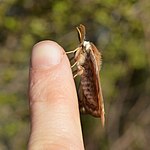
column 96, row 61
column 82, row 99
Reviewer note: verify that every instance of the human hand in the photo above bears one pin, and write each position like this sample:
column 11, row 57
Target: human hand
column 55, row 121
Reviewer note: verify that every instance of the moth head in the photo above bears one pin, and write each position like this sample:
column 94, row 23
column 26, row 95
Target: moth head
column 87, row 46
column 81, row 34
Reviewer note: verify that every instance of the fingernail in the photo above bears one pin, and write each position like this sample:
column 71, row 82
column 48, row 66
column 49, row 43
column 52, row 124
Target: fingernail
column 46, row 54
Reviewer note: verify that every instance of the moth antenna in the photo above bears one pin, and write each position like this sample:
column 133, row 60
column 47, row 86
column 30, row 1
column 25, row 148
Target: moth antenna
column 81, row 33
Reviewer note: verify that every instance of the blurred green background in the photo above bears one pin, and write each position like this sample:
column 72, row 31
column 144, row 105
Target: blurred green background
column 121, row 29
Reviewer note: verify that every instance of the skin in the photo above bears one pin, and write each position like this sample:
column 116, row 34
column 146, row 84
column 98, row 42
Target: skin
column 55, row 121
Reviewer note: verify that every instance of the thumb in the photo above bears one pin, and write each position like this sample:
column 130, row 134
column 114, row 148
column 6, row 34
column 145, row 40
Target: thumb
column 55, row 122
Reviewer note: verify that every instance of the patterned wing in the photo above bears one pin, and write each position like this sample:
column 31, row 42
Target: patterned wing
column 96, row 61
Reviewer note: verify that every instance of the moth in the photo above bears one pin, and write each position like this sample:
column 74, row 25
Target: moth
column 88, row 63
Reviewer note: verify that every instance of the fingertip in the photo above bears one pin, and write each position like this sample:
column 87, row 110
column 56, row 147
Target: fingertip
column 46, row 54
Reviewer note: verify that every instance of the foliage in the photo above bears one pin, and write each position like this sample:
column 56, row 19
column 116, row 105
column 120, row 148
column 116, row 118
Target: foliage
column 120, row 28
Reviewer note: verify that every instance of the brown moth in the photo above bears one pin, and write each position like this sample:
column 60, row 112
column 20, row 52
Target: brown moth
column 88, row 62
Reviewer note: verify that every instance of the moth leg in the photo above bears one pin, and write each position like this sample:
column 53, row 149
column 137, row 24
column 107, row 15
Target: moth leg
column 74, row 64
column 77, row 54
column 79, row 71
column 70, row 52
column 75, row 76
column 75, row 73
